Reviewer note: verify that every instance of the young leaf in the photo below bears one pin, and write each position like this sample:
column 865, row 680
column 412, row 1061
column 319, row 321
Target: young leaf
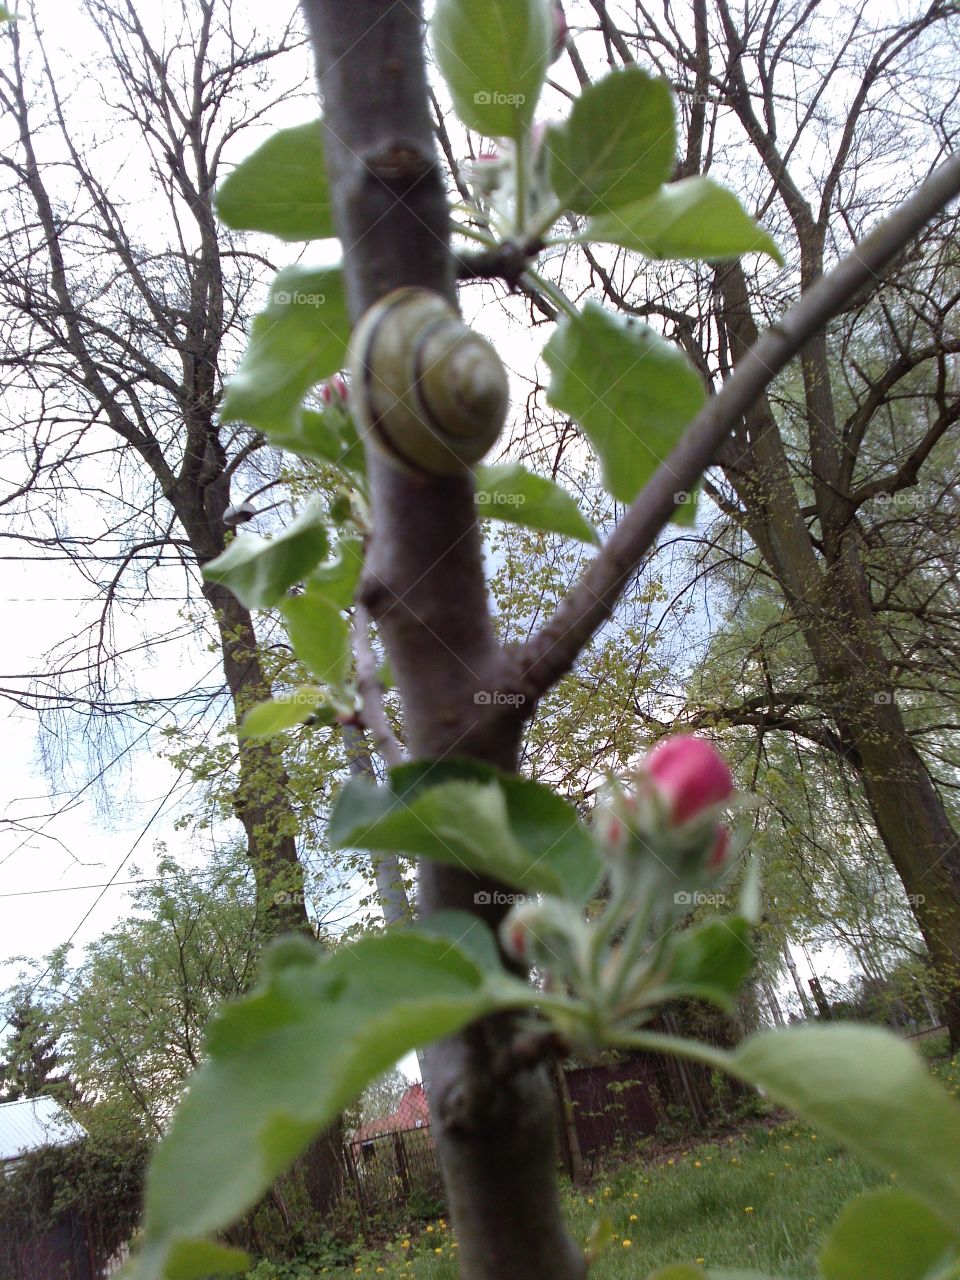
column 870, row 1091
column 711, row 961
column 299, row 339
column 337, row 581
column 318, row 633
column 494, row 55
column 282, row 712
column 693, row 218
column 259, row 570
column 281, row 188
column 630, row 391
column 890, row 1235
column 331, row 437
column 471, row 816
column 511, row 492
column 284, row 1061
column 617, row 145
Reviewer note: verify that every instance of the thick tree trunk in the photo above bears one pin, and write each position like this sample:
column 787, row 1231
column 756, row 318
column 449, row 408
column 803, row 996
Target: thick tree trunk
column 831, row 603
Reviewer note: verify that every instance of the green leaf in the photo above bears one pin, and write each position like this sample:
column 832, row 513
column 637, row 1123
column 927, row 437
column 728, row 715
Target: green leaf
column 631, row 392
column 282, row 712
column 7, row 15
column 468, row 933
column 281, row 188
column 494, row 55
column 889, row 1235
column 870, row 1091
column 259, row 570
column 510, row 492
column 693, row 218
column 471, row 816
column 319, row 635
column 330, row 436
column 617, row 145
column 711, row 961
column 283, row 1062
column 337, row 581
column 196, row 1259
column 298, row 340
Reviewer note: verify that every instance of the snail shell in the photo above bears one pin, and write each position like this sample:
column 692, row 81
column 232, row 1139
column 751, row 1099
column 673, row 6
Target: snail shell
column 430, row 392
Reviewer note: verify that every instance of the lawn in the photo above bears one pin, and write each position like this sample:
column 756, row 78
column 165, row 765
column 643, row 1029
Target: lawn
column 760, row 1200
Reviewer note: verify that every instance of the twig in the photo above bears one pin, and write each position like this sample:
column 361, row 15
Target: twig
column 371, row 691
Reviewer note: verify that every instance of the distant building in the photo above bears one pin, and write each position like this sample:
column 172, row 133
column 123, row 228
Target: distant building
column 31, row 1123
column 413, row 1112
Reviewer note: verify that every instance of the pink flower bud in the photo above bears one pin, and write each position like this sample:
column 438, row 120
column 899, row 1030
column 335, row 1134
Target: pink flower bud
column 333, row 389
column 690, row 775
column 561, row 32
column 720, row 850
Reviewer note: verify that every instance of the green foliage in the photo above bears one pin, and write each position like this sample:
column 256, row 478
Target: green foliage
column 319, row 635
column 31, row 1059
column 510, row 492
column 694, row 218
column 493, row 54
column 281, row 188
column 711, row 961
column 889, row 1235
column 98, row 1179
column 296, row 342
column 890, row 1112
column 284, row 711
column 470, row 815
column 283, row 1062
column 617, row 146
column 259, row 571
column 631, row 392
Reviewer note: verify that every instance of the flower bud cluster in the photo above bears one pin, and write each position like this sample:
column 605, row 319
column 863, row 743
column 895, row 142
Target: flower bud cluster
column 661, row 834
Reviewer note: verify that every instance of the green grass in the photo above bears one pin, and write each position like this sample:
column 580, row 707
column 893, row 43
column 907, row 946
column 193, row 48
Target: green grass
column 762, row 1200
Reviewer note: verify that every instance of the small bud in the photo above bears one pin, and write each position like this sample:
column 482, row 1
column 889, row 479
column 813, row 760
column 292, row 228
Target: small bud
column 487, row 172
column 335, row 390
column 720, row 851
column 561, row 33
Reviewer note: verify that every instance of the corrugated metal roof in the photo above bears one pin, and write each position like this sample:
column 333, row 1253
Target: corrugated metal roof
column 32, row 1123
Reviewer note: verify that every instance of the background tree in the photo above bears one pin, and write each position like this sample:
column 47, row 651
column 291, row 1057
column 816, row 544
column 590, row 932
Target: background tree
column 814, row 478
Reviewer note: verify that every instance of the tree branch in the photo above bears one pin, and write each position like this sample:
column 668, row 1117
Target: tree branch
column 553, row 650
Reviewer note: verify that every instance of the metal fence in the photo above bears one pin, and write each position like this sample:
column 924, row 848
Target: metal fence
column 395, row 1169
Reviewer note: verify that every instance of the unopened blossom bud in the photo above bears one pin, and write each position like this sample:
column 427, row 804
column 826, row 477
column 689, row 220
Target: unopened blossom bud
column 551, row 934
column 335, row 390
column 689, row 775
column 720, row 851
column 487, row 172
column 561, row 33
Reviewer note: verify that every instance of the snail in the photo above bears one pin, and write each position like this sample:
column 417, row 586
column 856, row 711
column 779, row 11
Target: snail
column 430, row 392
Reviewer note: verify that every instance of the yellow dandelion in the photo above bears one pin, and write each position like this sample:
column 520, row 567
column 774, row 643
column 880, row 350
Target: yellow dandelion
column 404, row 1244
column 701, row 1259
column 440, row 1250
column 697, row 1164
column 628, row 1244
column 748, row 1208
column 633, row 1217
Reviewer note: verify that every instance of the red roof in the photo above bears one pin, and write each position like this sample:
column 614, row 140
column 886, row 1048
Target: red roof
column 413, row 1112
